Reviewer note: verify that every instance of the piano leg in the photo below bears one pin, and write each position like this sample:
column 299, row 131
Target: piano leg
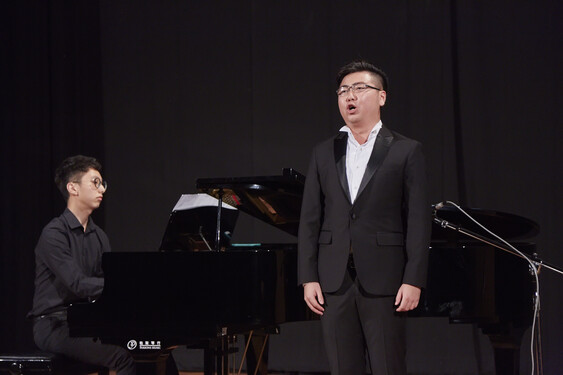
column 216, row 356
column 208, row 361
column 507, row 354
column 164, row 364
column 223, row 356
column 507, row 362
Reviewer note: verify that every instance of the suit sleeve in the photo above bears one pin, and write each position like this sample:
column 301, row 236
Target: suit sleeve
column 309, row 225
column 419, row 219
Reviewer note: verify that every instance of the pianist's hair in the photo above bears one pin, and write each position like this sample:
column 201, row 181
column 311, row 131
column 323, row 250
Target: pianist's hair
column 72, row 169
column 362, row 66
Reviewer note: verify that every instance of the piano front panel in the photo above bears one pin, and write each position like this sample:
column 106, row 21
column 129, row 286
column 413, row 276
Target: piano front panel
column 176, row 295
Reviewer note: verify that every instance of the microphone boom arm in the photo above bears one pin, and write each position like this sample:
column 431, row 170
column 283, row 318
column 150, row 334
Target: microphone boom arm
column 535, row 260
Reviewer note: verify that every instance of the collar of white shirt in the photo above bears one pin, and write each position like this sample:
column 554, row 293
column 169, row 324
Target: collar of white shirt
column 372, row 134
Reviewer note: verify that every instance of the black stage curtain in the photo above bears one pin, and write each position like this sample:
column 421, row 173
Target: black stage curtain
column 166, row 92
column 51, row 108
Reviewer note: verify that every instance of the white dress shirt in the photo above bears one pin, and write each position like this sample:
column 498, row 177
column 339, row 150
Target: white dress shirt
column 357, row 157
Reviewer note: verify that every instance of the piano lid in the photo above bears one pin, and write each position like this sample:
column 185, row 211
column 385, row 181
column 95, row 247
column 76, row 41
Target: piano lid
column 510, row 227
column 275, row 200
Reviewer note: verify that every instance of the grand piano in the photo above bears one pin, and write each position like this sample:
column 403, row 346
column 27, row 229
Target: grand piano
column 183, row 294
column 186, row 294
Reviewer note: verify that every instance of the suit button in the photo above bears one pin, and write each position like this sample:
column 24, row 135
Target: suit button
column 353, row 216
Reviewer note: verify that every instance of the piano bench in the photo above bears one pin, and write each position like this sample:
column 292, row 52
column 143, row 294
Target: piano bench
column 43, row 363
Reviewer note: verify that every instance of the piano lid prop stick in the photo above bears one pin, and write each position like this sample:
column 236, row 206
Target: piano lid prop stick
column 218, row 232
column 203, row 238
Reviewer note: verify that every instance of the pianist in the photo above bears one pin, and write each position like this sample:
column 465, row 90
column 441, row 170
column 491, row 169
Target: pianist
column 68, row 267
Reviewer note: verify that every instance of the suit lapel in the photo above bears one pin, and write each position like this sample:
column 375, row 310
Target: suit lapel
column 380, row 150
column 340, row 143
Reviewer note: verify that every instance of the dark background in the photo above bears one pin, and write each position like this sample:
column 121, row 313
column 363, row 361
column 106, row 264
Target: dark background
column 166, row 92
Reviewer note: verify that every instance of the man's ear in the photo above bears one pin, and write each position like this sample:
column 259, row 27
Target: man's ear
column 382, row 98
column 71, row 188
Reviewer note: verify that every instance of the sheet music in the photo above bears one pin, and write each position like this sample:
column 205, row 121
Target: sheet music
column 189, row 201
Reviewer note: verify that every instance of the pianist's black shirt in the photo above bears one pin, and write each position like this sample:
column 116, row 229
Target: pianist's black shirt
column 67, row 264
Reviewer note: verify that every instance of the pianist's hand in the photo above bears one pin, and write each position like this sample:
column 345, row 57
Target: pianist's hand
column 314, row 297
column 408, row 297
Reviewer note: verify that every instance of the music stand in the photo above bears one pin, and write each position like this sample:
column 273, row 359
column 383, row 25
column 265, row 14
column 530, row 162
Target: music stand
column 193, row 223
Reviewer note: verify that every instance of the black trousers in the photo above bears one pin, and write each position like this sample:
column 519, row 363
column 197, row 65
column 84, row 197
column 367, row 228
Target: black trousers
column 354, row 321
column 51, row 335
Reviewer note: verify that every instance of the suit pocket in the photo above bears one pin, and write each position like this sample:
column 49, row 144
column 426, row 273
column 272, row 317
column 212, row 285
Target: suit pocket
column 390, row 239
column 325, row 237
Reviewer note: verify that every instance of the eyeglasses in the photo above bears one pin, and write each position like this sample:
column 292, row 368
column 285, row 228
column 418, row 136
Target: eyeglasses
column 356, row 88
column 99, row 182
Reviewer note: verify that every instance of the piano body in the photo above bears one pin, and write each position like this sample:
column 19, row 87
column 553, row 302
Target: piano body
column 169, row 298
column 155, row 301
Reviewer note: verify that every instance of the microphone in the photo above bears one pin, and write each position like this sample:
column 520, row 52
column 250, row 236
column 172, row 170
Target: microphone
column 435, row 207
column 438, row 205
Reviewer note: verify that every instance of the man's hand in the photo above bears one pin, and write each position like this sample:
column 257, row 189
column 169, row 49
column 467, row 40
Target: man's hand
column 313, row 296
column 408, row 297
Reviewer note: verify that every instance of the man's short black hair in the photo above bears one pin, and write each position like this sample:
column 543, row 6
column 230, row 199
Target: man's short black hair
column 72, row 169
column 361, row 66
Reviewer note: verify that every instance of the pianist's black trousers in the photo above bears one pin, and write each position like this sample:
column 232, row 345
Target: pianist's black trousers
column 355, row 320
column 51, row 335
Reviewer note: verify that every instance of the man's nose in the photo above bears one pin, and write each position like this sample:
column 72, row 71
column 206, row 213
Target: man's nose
column 351, row 94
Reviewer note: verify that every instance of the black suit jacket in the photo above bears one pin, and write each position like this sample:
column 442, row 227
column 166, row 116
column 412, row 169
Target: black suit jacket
column 387, row 227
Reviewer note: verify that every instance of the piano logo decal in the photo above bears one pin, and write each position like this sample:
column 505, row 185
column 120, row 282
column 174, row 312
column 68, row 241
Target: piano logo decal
column 144, row 345
column 132, row 345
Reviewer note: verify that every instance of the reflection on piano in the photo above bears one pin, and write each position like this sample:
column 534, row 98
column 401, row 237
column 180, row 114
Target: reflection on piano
column 169, row 298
